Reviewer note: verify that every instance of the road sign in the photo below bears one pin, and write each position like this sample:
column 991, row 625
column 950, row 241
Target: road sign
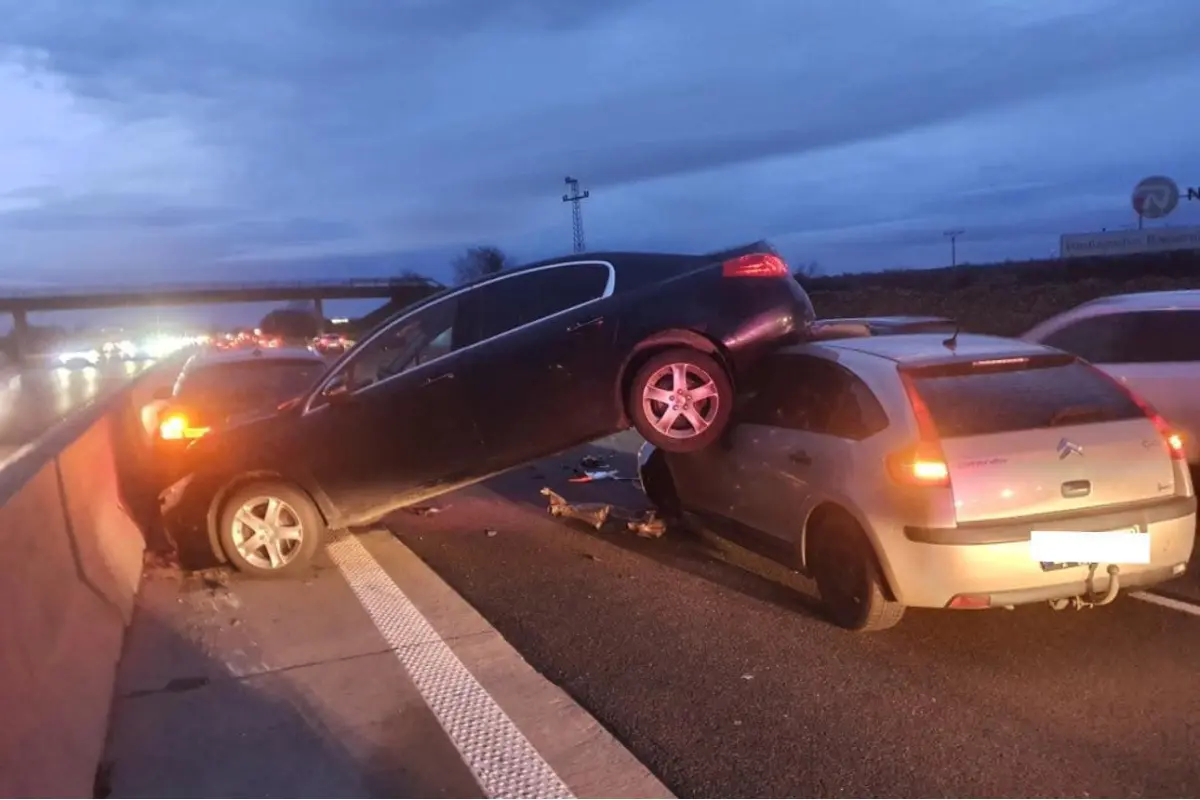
column 1155, row 197
column 1124, row 243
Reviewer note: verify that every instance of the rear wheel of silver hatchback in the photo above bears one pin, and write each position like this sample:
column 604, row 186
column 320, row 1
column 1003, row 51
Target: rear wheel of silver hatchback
column 270, row 530
column 681, row 400
column 848, row 578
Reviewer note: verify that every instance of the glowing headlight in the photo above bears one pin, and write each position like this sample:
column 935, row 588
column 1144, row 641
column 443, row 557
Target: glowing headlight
column 90, row 356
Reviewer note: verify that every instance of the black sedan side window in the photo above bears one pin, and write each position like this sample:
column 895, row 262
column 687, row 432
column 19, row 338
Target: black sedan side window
column 524, row 298
column 416, row 339
column 815, row 395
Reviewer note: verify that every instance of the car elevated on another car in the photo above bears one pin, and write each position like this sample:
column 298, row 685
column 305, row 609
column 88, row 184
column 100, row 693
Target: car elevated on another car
column 940, row 471
column 489, row 376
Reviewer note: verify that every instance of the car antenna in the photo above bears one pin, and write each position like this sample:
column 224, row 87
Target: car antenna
column 952, row 342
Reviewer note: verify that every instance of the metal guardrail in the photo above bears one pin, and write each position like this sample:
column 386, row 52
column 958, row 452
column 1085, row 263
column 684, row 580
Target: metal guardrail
column 182, row 288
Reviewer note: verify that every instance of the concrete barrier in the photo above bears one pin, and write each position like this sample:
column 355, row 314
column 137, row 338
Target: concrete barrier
column 74, row 508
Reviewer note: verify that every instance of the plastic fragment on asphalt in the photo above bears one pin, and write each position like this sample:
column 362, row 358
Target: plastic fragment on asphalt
column 423, row 511
column 644, row 524
column 648, row 526
column 594, row 514
column 596, row 475
column 491, row 531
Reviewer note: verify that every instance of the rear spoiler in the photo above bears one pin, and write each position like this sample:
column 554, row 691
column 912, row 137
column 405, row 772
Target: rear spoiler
column 1014, row 361
column 761, row 246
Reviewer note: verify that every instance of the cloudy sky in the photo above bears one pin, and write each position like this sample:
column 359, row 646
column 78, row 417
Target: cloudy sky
column 179, row 139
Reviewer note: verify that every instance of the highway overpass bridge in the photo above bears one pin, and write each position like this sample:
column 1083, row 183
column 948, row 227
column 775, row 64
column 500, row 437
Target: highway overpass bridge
column 399, row 292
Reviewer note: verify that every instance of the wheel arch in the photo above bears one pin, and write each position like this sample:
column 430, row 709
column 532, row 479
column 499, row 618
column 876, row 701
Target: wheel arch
column 222, row 493
column 828, row 512
column 644, row 350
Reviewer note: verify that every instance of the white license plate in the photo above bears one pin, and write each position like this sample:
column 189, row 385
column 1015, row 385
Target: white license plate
column 1125, row 546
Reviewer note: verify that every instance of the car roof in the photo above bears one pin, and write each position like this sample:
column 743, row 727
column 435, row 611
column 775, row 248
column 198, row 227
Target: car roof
column 221, row 357
column 1148, row 301
column 912, row 348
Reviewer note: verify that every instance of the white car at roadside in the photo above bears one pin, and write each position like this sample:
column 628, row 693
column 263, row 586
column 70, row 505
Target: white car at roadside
column 920, row 470
column 1150, row 341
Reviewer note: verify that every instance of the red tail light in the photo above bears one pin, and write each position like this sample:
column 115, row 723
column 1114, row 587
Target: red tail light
column 924, row 464
column 1172, row 439
column 755, row 265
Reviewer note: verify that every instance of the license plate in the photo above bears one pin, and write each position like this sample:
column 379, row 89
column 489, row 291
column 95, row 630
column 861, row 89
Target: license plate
column 1125, row 546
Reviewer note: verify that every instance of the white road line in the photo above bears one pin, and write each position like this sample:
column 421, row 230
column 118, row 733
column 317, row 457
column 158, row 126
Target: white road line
column 497, row 753
column 1167, row 602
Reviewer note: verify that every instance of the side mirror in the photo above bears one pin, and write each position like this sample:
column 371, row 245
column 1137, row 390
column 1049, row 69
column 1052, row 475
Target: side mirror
column 162, row 393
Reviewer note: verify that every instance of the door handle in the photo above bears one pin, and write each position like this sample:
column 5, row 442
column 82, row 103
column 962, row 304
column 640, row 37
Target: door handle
column 578, row 326
column 443, row 377
column 800, row 457
column 1076, row 489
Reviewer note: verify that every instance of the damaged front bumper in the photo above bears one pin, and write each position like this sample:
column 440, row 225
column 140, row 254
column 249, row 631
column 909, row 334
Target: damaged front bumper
column 170, row 498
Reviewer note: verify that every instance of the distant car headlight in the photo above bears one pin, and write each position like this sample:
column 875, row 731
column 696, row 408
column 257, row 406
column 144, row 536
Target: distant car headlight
column 91, row 356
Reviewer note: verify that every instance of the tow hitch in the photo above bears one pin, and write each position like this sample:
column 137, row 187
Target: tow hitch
column 1080, row 602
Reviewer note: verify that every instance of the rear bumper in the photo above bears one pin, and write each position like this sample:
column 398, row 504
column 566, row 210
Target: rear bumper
column 1141, row 516
column 777, row 313
column 998, row 562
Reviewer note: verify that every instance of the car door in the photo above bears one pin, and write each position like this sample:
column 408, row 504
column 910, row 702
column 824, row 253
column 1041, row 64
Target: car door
column 544, row 369
column 799, row 445
column 392, row 425
column 1156, row 353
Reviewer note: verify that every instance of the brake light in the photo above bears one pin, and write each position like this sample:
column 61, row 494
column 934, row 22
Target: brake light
column 923, row 464
column 175, row 427
column 1172, row 439
column 755, row 265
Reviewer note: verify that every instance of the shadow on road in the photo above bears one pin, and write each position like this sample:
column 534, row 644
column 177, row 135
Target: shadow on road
column 679, row 549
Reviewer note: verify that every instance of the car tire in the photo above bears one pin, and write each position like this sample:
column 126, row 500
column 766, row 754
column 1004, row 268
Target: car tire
column 651, row 396
column 842, row 562
column 297, row 514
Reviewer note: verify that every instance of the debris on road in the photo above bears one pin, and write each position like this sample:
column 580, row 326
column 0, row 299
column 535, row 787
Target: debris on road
column 490, row 532
column 649, row 526
column 645, row 524
column 596, row 475
column 594, row 514
column 592, row 469
column 423, row 511
column 593, row 463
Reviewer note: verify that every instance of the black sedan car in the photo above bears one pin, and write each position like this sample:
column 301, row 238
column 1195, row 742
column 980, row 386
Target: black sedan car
column 489, row 376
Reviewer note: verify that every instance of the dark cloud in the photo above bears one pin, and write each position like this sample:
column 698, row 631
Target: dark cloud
column 423, row 126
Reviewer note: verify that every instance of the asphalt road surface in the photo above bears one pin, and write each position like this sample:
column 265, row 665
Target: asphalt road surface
column 34, row 399
column 717, row 672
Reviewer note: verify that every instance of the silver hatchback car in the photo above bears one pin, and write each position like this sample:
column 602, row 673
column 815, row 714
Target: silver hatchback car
column 941, row 471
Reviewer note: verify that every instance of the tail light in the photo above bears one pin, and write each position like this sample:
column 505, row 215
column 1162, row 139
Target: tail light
column 755, row 265
column 923, row 464
column 176, row 427
column 1171, row 438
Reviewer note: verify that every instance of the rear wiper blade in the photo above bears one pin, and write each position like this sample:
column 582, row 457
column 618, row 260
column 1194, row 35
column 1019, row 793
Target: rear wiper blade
column 1078, row 414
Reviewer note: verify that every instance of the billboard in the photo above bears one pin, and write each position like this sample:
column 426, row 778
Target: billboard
column 1124, row 243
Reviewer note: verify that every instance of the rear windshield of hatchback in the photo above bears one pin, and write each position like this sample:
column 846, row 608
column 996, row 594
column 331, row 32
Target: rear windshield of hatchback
column 269, row 381
column 980, row 402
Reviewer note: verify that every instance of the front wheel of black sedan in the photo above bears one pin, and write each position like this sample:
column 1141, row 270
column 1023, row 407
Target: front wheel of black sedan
column 270, row 530
column 681, row 400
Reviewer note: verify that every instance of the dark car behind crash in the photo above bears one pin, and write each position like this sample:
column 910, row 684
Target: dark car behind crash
column 216, row 387
column 489, row 376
